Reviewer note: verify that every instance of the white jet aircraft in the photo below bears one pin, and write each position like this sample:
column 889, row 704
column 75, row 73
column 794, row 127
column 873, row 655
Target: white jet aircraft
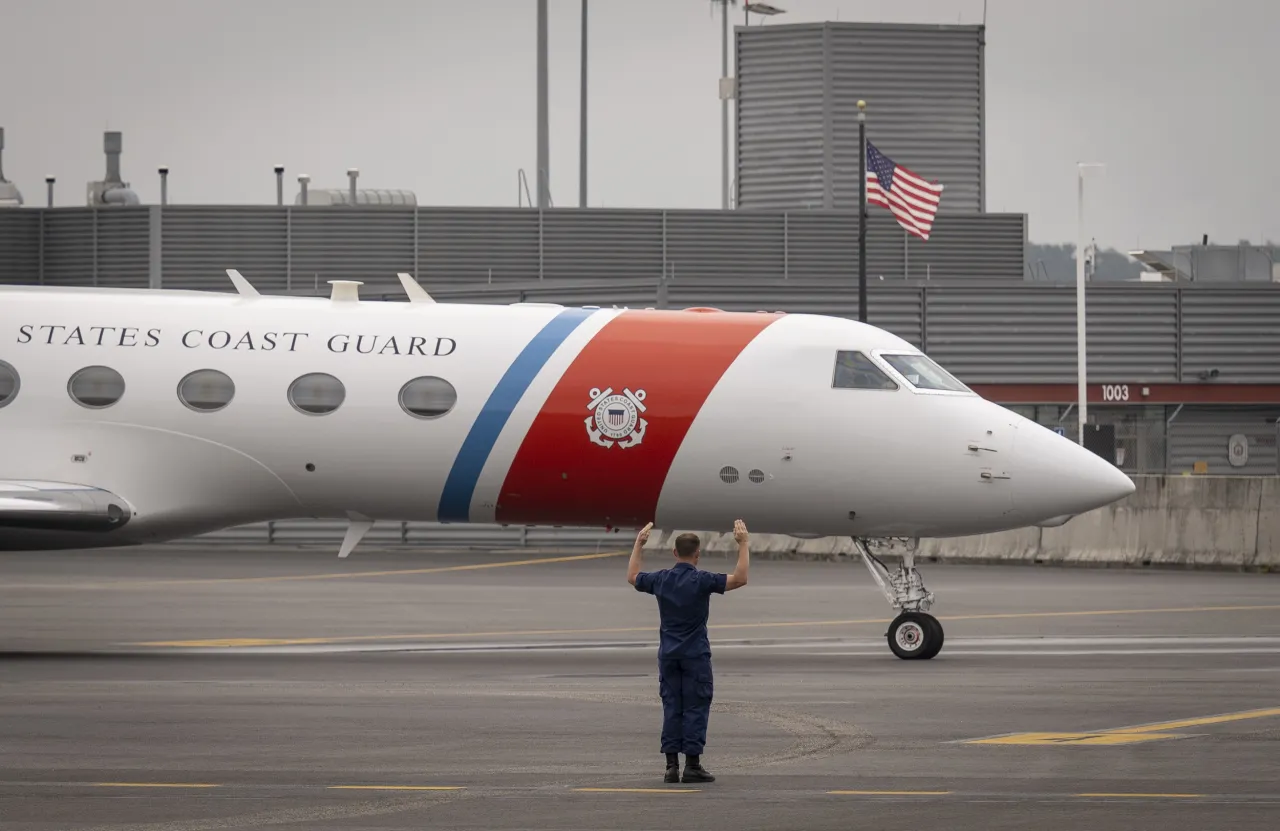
column 139, row 416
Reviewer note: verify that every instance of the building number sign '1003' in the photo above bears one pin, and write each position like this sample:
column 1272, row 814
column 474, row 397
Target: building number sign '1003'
column 1115, row 392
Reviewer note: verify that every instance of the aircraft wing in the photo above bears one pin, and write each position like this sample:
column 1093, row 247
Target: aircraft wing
column 61, row 506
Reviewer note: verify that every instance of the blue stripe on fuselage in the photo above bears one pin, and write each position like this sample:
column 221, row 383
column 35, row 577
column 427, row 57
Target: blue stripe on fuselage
column 455, row 499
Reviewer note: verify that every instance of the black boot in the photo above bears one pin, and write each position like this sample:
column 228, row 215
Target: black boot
column 694, row 771
column 673, row 768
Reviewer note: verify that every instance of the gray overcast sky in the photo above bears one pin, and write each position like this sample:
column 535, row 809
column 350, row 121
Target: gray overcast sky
column 1178, row 97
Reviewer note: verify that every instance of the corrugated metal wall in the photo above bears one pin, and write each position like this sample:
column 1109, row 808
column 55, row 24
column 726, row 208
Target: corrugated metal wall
column 294, row 248
column 19, row 244
column 1004, row 330
column 1201, row 434
column 780, row 118
column 200, row 242
column 1231, row 327
column 1131, row 333
column 797, row 117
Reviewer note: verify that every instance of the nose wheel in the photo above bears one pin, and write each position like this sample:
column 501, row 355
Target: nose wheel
column 914, row 635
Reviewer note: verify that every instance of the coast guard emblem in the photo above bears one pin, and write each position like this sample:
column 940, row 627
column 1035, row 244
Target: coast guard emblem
column 615, row 417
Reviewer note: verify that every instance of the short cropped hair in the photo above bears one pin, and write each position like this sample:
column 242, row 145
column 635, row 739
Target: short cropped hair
column 687, row 545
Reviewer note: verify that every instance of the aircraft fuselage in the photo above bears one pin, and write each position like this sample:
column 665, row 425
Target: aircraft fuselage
column 529, row 414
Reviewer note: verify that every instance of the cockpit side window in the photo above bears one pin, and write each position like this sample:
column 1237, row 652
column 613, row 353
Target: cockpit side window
column 922, row 373
column 855, row 371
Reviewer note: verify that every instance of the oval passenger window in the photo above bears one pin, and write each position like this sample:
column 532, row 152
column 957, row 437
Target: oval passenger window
column 96, row 387
column 9, row 383
column 317, row 393
column 428, row 397
column 206, row 390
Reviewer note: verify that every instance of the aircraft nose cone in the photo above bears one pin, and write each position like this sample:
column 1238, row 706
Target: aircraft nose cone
column 1057, row 477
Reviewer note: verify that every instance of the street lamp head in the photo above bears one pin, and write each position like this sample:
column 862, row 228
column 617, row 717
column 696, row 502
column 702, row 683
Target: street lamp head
column 862, row 105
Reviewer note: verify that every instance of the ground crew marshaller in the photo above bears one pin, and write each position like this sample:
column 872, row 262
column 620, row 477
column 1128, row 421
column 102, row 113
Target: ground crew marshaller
column 684, row 652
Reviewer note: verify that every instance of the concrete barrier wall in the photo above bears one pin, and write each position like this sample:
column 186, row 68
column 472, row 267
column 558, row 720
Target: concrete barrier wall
column 1192, row 521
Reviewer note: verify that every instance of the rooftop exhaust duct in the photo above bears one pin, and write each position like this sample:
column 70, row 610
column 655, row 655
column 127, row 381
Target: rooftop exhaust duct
column 10, row 196
column 112, row 190
column 352, row 195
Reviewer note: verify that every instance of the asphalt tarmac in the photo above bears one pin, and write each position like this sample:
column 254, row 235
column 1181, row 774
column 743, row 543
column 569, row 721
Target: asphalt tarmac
column 184, row 690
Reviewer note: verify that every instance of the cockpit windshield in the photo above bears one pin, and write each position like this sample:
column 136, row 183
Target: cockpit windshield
column 855, row 371
column 923, row 373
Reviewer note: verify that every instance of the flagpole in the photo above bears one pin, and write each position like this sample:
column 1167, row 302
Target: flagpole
column 1082, row 391
column 862, row 211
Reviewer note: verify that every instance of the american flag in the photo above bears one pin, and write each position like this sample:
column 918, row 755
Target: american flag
column 912, row 200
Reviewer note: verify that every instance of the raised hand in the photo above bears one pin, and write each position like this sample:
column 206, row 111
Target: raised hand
column 643, row 536
column 739, row 531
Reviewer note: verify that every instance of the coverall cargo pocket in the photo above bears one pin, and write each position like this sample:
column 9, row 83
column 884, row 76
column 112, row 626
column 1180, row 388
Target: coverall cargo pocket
column 705, row 684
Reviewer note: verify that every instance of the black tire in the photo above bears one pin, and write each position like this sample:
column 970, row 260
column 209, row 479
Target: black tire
column 912, row 636
column 936, row 639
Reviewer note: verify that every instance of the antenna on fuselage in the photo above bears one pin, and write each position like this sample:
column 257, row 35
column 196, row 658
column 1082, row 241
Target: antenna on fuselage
column 345, row 290
column 242, row 285
column 417, row 294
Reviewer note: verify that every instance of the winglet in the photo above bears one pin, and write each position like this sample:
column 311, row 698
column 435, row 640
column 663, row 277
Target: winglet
column 242, row 285
column 417, row 294
column 360, row 525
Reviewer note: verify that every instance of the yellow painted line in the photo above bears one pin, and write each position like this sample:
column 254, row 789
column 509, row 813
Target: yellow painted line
column 637, row 790
column 890, row 793
column 153, row 785
column 396, row 788
column 1197, row 722
column 1143, row 795
column 1101, row 737
column 1125, row 735
column 513, row 633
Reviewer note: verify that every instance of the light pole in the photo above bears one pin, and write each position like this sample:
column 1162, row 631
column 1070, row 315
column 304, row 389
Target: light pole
column 725, row 92
column 1082, row 391
column 582, row 118
column 544, row 152
column 727, row 89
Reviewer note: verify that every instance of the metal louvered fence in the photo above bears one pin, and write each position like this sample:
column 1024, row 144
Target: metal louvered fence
column 961, row 296
column 295, row 248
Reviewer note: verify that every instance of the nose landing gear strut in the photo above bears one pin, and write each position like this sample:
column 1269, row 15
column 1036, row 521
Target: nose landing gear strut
column 914, row 634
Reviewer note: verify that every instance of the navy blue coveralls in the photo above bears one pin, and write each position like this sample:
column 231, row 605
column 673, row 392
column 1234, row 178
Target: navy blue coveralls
column 684, row 654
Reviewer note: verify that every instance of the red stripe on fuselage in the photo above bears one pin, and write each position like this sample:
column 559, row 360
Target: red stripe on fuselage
column 560, row 476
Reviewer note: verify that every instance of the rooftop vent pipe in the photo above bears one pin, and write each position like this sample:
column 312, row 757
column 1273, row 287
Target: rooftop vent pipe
column 279, row 184
column 302, row 183
column 112, row 190
column 352, row 173
column 113, row 144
